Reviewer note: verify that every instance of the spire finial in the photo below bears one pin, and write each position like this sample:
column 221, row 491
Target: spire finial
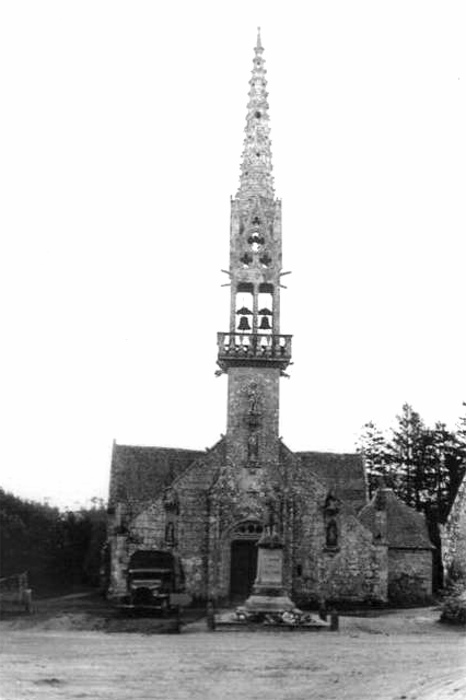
column 256, row 167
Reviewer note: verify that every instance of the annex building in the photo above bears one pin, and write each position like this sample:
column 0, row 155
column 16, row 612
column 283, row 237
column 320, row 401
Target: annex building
column 211, row 507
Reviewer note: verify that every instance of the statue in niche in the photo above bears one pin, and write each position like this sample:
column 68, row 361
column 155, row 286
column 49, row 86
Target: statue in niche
column 331, row 535
column 332, row 504
column 254, row 411
column 253, row 419
column 170, row 500
column 170, row 534
column 253, row 446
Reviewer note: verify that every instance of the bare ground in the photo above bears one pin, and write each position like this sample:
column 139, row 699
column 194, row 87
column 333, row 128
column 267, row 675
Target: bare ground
column 66, row 652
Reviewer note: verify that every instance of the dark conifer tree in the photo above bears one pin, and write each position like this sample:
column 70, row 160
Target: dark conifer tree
column 407, row 450
column 372, row 445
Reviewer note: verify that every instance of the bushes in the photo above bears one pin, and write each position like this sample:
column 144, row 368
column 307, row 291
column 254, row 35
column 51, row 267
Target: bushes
column 58, row 549
column 454, row 605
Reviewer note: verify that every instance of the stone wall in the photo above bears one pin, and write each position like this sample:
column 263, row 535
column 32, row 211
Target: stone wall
column 409, row 575
column 118, row 564
column 353, row 570
column 212, row 499
column 240, row 383
column 142, row 525
column 454, row 538
column 192, row 535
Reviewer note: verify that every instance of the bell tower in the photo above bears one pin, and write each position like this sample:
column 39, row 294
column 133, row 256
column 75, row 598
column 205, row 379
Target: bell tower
column 253, row 353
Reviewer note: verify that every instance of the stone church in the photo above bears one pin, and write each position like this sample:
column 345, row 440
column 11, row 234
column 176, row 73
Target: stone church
column 211, row 507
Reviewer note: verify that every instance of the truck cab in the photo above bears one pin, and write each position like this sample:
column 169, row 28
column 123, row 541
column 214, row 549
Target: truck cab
column 155, row 581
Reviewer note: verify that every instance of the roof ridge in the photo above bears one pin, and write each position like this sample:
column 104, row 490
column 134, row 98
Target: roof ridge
column 160, row 447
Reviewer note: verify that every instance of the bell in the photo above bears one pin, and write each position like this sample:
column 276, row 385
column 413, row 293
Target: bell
column 244, row 324
column 265, row 324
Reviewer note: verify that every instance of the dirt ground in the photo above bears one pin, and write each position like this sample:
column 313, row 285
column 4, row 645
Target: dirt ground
column 71, row 652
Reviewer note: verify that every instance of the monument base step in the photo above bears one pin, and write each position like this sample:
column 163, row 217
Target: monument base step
column 269, row 604
column 236, row 620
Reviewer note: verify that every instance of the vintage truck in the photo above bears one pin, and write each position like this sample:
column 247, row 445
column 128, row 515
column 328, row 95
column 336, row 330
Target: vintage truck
column 155, row 581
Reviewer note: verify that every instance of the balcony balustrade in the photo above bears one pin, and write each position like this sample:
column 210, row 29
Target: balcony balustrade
column 242, row 348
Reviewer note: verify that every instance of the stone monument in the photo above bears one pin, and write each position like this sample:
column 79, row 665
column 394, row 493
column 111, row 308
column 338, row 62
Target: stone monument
column 269, row 594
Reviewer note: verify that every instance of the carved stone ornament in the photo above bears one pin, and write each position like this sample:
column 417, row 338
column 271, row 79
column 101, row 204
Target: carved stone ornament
column 255, row 404
column 332, row 504
column 170, row 500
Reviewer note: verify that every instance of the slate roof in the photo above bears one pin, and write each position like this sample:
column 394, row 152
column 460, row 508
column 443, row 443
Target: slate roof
column 406, row 528
column 342, row 473
column 141, row 473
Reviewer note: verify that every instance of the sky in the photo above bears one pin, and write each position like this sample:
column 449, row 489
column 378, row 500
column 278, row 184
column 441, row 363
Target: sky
column 121, row 133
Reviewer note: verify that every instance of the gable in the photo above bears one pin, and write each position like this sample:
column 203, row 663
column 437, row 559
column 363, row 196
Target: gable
column 406, row 528
column 341, row 473
column 142, row 473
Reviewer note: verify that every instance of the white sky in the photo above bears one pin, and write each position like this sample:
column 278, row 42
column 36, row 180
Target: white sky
column 121, row 132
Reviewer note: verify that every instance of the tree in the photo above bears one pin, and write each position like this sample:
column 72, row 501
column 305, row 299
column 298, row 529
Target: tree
column 372, row 445
column 28, row 537
column 81, row 538
column 459, row 470
column 58, row 549
column 446, row 469
column 407, row 455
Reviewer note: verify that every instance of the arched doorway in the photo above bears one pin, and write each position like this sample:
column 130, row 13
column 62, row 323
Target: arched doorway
column 243, row 565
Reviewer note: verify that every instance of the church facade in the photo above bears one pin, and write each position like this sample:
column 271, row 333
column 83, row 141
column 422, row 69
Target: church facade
column 211, row 507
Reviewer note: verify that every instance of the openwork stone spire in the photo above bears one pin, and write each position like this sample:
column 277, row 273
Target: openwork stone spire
column 256, row 166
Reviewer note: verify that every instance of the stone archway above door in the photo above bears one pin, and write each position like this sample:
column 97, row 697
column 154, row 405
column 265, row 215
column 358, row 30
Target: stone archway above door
column 247, row 530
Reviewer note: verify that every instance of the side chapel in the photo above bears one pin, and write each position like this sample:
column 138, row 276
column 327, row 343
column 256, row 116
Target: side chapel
column 211, row 507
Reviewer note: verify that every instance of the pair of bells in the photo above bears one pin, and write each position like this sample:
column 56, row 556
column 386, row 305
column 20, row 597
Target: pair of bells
column 264, row 325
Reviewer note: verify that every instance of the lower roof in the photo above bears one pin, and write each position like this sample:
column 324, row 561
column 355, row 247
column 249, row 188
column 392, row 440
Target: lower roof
column 405, row 527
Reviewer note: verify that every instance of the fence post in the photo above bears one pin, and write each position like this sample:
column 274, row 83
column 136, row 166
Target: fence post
column 334, row 620
column 210, row 616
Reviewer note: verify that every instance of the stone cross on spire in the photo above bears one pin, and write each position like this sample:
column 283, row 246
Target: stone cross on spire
column 256, row 165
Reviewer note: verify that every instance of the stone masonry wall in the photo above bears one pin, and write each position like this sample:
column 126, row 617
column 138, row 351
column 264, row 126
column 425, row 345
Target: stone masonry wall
column 354, row 570
column 240, row 381
column 144, row 527
column 409, row 575
column 212, row 500
column 454, row 537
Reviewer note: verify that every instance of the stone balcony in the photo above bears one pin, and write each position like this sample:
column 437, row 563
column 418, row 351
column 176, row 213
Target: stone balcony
column 254, row 349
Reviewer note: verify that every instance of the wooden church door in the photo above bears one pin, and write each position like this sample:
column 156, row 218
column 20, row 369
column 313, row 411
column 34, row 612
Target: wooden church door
column 243, row 568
